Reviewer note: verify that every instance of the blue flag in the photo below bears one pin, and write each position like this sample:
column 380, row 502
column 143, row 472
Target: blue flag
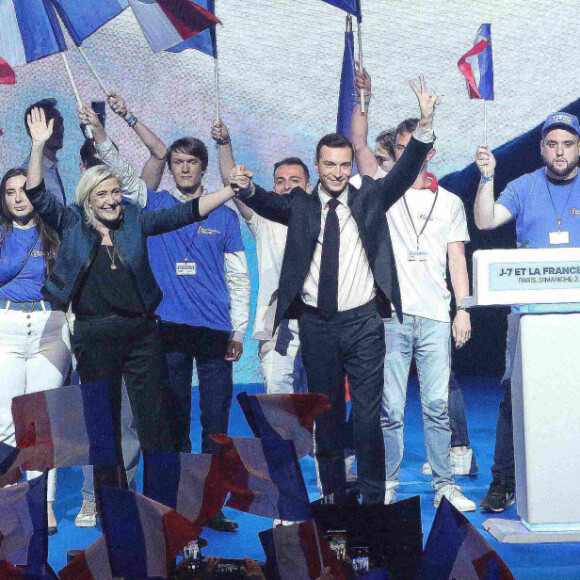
column 205, row 41
column 347, row 97
column 350, row 6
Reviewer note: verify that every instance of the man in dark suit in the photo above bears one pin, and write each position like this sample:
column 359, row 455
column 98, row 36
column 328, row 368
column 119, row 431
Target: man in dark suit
column 337, row 275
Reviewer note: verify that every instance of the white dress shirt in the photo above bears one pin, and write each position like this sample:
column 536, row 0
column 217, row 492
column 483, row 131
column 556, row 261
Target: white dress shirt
column 356, row 284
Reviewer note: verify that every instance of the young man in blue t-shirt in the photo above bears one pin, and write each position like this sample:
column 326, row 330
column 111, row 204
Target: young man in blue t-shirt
column 203, row 273
column 544, row 206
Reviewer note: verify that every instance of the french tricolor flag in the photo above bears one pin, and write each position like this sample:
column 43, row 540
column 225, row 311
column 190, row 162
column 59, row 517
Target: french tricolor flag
column 90, row 564
column 284, row 416
column 264, row 477
column 65, row 427
column 143, row 536
column 23, row 524
column 166, row 23
column 298, row 552
column 191, row 484
column 477, row 66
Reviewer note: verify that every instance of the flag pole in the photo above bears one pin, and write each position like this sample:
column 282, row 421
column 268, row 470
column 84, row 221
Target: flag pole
column 485, row 121
column 318, row 546
column 75, row 89
column 360, row 60
column 95, row 74
column 216, row 71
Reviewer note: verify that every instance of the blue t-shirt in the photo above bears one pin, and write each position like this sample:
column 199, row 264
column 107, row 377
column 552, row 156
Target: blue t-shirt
column 26, row 286
column 202, row 299
column 528, row 200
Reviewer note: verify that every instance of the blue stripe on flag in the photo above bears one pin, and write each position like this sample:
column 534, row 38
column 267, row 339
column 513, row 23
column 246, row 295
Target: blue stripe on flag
column 83, row 18
column 205, row 41
column 98, row 417
column 39, row 28
column 124, row 532
column 8, row 455
column 36, row 503
column 351, row 6
column 286, row 475
column 346, row 98
column 486, row 65
column 161, row 476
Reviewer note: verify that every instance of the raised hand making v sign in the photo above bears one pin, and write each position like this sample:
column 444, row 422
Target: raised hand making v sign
column 428, row 100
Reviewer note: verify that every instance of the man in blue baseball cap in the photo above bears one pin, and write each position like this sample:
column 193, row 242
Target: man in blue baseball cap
column 545, row 205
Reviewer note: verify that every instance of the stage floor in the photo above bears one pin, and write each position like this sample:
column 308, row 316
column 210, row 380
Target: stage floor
column 482, row 396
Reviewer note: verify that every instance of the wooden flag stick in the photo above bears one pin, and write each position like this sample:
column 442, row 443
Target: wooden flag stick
column 95, row 74
column 217, row 89
column 75, row 90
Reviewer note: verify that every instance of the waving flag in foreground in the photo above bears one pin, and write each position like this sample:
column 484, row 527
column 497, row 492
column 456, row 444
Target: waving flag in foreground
column 284, row 417
column 205, row 41
column 455, row 549
column 191, row 484
column 298, row 552
column 350, row 6
column 90, row 564
column 23, row 526
column 7, row 76
column 477, row 66
column 143, row 536
column 167, row 23
column 64, row 427
column 346, row 97
column 264, row 477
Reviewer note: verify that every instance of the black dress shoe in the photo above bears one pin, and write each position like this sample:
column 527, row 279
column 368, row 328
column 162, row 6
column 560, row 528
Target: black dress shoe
column 220, row 523
column 51, row 530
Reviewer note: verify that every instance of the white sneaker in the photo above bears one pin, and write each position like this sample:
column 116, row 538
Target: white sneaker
column 349, row 459
column 390, row 496
column 87, row 516
column 453, row 493
column 460, row 464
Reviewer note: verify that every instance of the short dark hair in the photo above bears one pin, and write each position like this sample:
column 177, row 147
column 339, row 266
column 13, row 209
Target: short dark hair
column 89, row 155
column 189, row 146
column 407, row 126
column 386, row 139
column 335, row 141
column 293, row 161
column 49, row 107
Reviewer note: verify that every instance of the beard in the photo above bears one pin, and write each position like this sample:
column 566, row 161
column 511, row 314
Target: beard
column 563, row 171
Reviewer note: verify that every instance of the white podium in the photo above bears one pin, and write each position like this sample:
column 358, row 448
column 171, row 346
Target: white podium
column 545, row 386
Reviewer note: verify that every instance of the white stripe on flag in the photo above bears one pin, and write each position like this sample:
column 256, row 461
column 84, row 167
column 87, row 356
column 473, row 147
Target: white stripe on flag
column 15, row 524
column 11, row 46
column 190, row 497
column 97, row 559
column 67, row 428
column 158, row 29
column 151, row 515
column 289, row 554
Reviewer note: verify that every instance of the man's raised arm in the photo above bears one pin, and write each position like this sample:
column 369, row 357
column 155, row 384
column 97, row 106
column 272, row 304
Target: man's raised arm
column 359, row 125
column 405, row 172
column 487, row 212
column 221, row 136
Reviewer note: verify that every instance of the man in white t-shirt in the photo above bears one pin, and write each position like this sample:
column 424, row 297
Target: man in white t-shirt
column 428, row 230
column 279, row 352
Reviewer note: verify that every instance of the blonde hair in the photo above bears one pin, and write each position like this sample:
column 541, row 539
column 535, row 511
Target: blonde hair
column 90, row 180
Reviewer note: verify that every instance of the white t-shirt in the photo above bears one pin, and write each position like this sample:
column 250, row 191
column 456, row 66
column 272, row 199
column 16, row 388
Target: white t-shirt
column 423, row 284
column 270, row 243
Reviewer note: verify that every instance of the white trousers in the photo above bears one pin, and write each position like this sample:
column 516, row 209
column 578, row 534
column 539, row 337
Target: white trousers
column 35, row 355
column 281, row 361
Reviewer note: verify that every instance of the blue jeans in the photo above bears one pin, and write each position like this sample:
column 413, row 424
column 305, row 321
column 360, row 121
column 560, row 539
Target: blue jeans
column 457, row 418
column 429, row 341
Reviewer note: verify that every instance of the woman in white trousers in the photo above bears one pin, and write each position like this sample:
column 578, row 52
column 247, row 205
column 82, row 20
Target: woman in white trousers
column 35, row 351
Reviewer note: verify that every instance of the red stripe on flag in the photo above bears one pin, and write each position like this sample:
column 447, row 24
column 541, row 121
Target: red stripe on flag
column 187, row 18
column 32, row 427
column 214, row 492
column 76, row 569
column 9, row 571
column 234, row 474
column 466, row 70
column 178, row 532
column 7, row 75
column 307, row 406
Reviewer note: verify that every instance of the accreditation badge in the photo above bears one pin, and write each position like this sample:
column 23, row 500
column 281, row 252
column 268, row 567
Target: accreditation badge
column 418, row 256
column 559, row 237
column 185, row 268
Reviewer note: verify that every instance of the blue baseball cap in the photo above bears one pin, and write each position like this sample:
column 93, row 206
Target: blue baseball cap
column 563, row 121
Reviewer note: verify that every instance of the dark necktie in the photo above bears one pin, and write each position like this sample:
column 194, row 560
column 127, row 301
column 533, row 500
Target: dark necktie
column 328, row 282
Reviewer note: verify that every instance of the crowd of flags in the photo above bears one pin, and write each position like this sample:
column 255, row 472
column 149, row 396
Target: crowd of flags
column 142, row 534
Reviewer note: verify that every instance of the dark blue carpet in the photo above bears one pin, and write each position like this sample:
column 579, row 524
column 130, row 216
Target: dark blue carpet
column 482, row 396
